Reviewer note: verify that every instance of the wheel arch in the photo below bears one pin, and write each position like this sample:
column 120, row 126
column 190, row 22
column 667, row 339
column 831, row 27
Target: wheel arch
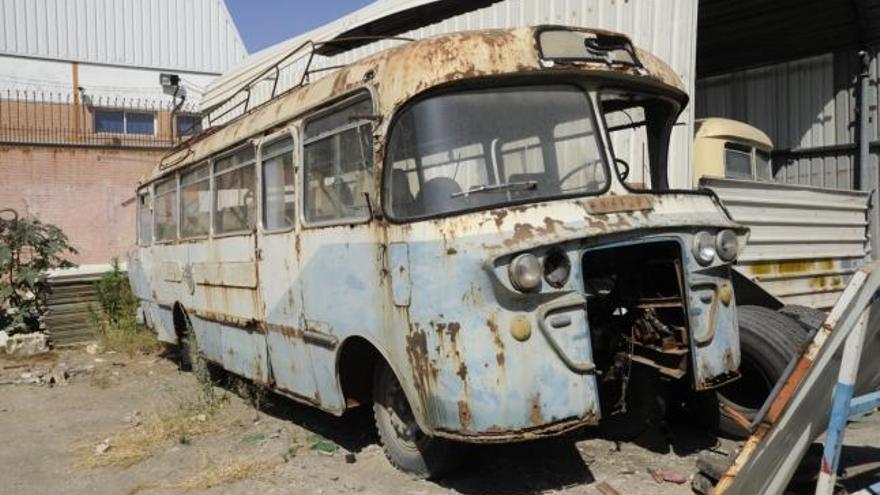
column 356, row 352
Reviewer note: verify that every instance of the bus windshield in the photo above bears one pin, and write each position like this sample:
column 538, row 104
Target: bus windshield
column 479, row 149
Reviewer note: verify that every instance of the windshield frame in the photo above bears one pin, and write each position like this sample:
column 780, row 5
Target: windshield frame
column 588, row 91
column 677, row 106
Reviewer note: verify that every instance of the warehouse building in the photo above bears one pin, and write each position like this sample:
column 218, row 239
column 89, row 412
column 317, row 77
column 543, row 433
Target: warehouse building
column 85, row 110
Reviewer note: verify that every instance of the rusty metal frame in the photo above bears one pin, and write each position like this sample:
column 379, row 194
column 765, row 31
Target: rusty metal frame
column 797, row 411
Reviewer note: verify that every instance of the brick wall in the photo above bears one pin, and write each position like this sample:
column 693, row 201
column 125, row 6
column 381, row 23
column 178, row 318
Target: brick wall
column 88, row 192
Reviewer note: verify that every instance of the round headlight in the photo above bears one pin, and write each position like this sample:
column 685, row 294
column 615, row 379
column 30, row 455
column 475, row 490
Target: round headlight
column 727, row 245
column 525, row 272
column 704, row 248
column 557, row 267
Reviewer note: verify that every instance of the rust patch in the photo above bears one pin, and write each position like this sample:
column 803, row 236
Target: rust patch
column 496, row 339
column 618, row 204
column 464, row 415
column 462, row 371
column 499, row 216
column 791, row 385
column 535, row 414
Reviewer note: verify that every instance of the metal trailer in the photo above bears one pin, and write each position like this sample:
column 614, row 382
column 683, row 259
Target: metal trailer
column 798, row 410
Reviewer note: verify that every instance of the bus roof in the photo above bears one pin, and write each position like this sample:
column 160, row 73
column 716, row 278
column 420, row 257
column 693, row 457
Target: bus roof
column 396, row 75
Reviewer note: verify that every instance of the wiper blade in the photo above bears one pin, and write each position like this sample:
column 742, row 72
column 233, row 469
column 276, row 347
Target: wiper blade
column 526, row 185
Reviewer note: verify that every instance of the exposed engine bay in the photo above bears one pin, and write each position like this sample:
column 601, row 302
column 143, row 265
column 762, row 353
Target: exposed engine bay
column 637, row 314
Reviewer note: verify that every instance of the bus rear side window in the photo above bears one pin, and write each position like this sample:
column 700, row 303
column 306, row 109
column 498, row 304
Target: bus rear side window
column 145, row 218
column 235, row 206
column 195, row 202
column 165, row 210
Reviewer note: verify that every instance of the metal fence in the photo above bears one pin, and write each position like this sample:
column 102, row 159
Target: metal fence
column 77, row 119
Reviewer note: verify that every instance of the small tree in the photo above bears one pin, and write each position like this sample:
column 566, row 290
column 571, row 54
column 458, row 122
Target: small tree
column 118, row 303
column 28, row 248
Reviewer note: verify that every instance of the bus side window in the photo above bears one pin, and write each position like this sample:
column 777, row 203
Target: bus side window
column 195, row 202
column 145, row 218
column 234, row 192
column 278, row 188
column 338, row 164
column 165, row 210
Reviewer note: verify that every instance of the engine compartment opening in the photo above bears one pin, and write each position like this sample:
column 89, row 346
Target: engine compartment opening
column 637, row 312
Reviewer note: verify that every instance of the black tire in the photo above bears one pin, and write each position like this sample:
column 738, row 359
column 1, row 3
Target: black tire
column 405, row 445
column 769, row 340
column 192, row 360
column 809, row 318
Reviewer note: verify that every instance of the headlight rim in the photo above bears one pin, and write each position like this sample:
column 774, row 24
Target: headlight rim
column 721, row 253
column 704, row 240
column 515, row 278
column 563, row 257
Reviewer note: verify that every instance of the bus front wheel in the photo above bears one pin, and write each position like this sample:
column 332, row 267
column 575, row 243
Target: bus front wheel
column 404, row 443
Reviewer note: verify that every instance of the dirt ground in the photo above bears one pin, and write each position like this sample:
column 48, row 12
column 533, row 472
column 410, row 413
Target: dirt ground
column 53, row 434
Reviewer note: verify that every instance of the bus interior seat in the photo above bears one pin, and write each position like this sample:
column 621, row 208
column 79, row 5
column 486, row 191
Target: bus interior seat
column 437, row 195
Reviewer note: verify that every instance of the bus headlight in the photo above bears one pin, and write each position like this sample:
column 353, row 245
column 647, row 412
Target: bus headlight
column 727, row 245
column 525, row 272
column 704, row 248
column 557, row 268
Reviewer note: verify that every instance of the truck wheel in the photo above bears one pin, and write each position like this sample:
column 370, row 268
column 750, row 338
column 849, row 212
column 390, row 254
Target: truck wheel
column 809, row 318
column 405, row 445
column 769, row 340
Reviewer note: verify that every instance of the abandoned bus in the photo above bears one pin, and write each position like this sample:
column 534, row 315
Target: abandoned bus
column 473, row 233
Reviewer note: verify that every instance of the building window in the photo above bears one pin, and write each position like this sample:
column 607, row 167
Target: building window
column 187, row 125
column 124, row 122
column 338, row 159
column 235, row 205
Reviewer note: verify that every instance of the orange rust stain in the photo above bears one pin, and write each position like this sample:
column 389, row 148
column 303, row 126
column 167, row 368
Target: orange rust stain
column 791, row 385
column 618, row 204
column 496, row 339
column 464, row 414
column 462, row 371
column 535, row 414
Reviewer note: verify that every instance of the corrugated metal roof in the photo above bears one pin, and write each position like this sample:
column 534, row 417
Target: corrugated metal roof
column 183, row 35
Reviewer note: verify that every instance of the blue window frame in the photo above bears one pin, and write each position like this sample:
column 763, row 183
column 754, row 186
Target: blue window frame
column 124, row 122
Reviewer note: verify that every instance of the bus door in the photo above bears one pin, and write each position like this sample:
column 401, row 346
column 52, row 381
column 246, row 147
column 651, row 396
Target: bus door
column 339, row 252
column 223, row 269
column 280, row 286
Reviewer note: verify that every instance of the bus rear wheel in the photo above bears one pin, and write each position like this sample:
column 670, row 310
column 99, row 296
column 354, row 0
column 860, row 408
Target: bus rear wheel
column 404, row 443
column 191, row 358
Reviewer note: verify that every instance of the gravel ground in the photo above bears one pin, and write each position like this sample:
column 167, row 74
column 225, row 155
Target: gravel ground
column 46, row 433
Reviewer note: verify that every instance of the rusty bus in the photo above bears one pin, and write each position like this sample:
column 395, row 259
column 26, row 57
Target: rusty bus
column 447, row 231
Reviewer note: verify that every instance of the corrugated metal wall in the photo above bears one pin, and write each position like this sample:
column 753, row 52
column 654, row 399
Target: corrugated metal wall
column 190, row 35
column 667, row 29
column 806, row 106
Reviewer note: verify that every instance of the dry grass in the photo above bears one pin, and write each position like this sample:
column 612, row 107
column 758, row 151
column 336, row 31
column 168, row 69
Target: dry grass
column 178, row 422
column 224, row 473
column 131, row 340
